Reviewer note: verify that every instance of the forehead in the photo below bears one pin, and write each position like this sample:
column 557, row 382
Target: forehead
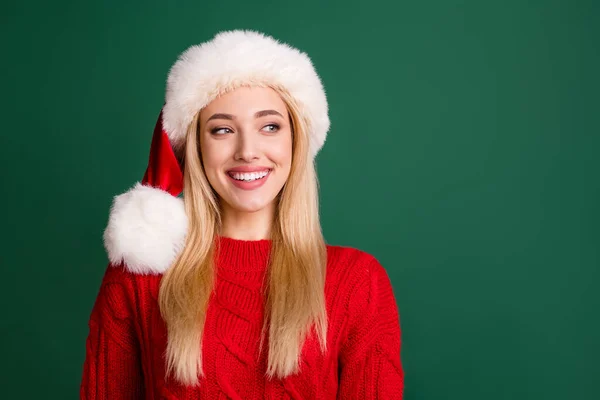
column 245, row 101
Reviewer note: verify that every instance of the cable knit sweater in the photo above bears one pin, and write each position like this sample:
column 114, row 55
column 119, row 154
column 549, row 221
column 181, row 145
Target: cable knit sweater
column 127, row 336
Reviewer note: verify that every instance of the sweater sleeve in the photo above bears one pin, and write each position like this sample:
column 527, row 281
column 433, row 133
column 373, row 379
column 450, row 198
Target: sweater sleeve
column 370, row 363
column 112, row 367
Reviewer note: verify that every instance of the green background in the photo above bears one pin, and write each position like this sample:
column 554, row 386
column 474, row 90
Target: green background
column 463, row 154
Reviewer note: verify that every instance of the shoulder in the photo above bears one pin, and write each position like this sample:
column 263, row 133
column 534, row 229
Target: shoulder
column 116, row 295
column 345, row 254
column 123, row 293
column 353, row 260
column 359, row 273
column 118, row 277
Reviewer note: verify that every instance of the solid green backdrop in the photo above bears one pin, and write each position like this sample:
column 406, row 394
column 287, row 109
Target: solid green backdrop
column 463, row 154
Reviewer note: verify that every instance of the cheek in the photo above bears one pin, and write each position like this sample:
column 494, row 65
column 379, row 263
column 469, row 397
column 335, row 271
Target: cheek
column 213, row 154
column 281, row 152
column 211, row 160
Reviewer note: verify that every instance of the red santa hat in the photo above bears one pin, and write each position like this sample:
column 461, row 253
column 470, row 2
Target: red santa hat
column 147, row 224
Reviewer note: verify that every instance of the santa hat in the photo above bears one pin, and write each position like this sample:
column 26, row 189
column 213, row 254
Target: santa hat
column 147, row 224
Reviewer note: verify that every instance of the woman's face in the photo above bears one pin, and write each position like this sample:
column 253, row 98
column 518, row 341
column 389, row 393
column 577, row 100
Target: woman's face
column 246, row 130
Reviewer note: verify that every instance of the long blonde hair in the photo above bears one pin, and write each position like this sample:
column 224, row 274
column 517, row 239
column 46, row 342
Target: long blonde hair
column 295, row 300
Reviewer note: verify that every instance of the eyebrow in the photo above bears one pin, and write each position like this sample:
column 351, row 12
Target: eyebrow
column 256, row 115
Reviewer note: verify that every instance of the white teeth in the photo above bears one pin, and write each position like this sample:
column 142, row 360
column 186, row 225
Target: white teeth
column 248, row 176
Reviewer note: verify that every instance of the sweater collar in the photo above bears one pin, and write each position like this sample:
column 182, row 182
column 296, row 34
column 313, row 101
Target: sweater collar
column 239, row 255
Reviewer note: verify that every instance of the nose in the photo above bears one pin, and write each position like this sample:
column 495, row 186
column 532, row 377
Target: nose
column 246, row 146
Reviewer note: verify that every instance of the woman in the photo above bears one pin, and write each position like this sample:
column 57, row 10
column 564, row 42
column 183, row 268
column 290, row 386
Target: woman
column 231, row 292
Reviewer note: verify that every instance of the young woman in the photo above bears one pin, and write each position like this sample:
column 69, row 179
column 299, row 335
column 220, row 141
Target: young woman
column 231, row 292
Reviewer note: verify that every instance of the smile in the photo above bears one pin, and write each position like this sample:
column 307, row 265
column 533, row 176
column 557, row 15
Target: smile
column 249, row 180
column 248, row 176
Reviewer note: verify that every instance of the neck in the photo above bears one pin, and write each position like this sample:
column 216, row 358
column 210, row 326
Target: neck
column 244, row 225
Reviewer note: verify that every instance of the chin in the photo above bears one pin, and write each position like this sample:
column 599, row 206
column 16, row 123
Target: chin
column 249, row 206
column 247, row 209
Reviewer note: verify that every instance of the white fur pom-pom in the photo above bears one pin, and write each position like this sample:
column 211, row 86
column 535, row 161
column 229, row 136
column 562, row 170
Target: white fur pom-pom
column 146, row 229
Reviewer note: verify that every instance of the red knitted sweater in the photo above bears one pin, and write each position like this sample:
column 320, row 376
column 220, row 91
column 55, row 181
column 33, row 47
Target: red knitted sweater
column 127, row 336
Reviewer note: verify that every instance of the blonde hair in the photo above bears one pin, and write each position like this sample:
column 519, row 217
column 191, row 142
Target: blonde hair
column 295, row 300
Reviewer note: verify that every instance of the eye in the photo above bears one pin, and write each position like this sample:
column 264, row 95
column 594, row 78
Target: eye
column 275, row 127
column 215, row 130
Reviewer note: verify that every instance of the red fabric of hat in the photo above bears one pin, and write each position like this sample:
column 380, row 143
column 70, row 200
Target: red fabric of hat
column 164, row 170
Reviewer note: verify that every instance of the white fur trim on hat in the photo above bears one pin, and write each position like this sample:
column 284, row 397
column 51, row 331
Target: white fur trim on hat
column 242, row 57
column 146, row 229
